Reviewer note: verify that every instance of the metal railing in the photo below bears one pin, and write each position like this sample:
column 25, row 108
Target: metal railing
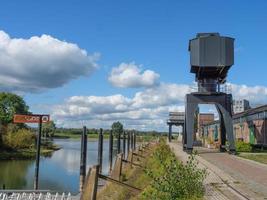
column 225, row 88
column 28, row 195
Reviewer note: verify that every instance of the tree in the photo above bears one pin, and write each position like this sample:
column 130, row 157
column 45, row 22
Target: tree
column 49, row 129
column 117, row 128
column 9, row 105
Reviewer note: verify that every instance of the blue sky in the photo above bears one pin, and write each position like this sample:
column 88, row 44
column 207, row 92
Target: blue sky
column 152, row 34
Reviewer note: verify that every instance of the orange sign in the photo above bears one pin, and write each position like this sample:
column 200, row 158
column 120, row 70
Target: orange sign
column 30, row 118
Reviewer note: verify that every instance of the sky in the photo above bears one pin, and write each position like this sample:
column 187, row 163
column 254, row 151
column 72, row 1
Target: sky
column 95, row 62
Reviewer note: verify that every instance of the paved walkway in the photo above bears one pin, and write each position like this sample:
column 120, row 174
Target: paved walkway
column 220, row 184
column 249, row 174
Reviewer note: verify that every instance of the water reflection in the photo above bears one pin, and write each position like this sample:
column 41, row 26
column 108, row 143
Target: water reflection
column 60, row 172
column 14, row 173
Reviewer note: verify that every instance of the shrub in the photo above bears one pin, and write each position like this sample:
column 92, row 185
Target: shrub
column 171, row 179
column 20, row 139
column 243, row 147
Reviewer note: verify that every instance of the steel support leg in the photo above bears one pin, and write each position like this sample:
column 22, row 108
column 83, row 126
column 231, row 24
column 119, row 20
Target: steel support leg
column 190, row 112
column 229, row 128
column 170, row 133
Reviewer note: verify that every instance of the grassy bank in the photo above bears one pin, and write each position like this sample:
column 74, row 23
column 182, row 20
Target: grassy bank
column 162, row 177
column 30, row 153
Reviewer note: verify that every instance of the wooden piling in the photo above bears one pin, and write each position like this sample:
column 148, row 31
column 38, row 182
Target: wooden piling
column 83, row 158
column 91, row 183
column 110, row 150
column 100, row 149
column 134, row 141
column 131, row 141
column 128, row 142
column 124, row 144
column 116, row 172
column 130, row 158
column 118, row 143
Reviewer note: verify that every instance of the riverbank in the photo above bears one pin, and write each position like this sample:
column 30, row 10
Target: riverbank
column 159, row 175
column 27, row 154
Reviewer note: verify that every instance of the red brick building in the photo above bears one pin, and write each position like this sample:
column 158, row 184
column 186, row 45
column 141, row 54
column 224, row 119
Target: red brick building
column 249, row 126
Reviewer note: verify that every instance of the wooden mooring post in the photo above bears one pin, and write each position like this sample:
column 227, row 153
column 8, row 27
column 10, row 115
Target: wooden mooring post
column 89, row 191
column 110, row 151
column 90, row 188
column 128, row 143
column 131, row 141
column 100, row 149
column 134, row 141
column 116, row 172
column 124, row 144
column 118, row 143
column 83, row 158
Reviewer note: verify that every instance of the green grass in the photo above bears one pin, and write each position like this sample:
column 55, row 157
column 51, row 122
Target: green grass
column 47, row 150
column 258, row 157
column 155, row 172
column 133, row 176
column 24, row 154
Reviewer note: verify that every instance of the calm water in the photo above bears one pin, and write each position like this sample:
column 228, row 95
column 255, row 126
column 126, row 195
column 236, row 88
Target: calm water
column 60, row 172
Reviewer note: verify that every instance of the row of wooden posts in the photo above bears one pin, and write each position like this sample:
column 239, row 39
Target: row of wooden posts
column 126, row 137
column 89, row 191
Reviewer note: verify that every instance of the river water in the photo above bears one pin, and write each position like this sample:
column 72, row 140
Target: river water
column 60, row 172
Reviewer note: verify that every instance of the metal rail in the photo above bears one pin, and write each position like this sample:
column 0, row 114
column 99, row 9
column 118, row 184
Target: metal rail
column 30, row 195
column 119, row 183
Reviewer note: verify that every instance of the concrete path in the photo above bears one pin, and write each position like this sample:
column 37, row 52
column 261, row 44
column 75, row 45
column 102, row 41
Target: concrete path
column 220, row 184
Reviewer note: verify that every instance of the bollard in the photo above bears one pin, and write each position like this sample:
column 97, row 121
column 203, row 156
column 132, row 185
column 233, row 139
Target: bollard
column 83, row 158
column 118, row 143
column 100, row 149
column 110, row 150
column 124, row 144
column 4, row 186
column 128, row 143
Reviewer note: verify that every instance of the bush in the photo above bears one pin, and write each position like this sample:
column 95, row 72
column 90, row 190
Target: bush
column 20, row 139
column 243, row 147
column 171, row 179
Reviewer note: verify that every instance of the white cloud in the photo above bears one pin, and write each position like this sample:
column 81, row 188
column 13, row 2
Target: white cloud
column 163, row 95
column 146, row 110
column 255, row 94
column 39, row 63
column 130, row 75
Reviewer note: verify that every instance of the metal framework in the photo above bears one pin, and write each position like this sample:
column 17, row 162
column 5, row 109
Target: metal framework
column 176, row 119
column 211, row 56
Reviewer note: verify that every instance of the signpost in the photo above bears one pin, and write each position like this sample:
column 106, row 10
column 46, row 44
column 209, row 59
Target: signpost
column 17, row 118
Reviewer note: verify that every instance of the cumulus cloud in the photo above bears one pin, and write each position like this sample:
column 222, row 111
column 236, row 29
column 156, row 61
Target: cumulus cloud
column 148, row 107
column 39, row 63
column 255, row 94
column 130, row 75
column 146, row 110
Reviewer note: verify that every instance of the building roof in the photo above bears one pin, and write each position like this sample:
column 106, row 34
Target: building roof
column 250, row 111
